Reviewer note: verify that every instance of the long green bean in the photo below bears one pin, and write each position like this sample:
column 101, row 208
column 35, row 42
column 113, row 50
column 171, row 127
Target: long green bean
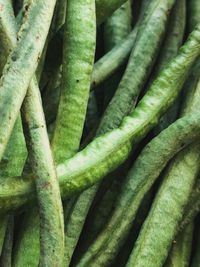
column 172, row 196
column 180, row 253
column 106, row 152
column 146, row 169
column 50, row 207
column 151, row 29
column 22, row 64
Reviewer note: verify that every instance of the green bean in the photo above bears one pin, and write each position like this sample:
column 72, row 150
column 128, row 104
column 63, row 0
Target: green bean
column 174, row 35
column 172, row 196
column 151, row 29
column 106, row 8
column 193, row 207
column 146, row 169
column 195, row 261
column 5, row 259
column 48, row 194
column 61, row 6
column 181, row 249
column 108, row 151
column 75, row 220
column 118, row 55
column 194, row 14
column 50, row 207
column 170, row 46
column 3, row 227
column 122, row 20
column 118, row 26
column 73, row 103
column 112, row 60
column 26, row 252
column 75, row 83
column 51, row 96
column 15, row 154
column 92, row 116
column 116, row 29
column 22, row 64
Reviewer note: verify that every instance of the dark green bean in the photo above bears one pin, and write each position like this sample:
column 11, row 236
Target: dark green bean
column 180, row 253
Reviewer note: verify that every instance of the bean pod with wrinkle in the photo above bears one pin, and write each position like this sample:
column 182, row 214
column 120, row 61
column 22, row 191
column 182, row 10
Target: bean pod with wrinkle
column 108, row 151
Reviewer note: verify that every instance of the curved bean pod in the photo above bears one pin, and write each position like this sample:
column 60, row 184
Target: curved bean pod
column 172, row 196
column 116, row 28
column 112, row 60
column 151, row 30
column 106, row 152
column 145, row 171
column 22, row 64
column 50, row 206
column 166, row 212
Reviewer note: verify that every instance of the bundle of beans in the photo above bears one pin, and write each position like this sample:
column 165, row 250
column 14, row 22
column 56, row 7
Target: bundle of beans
column 99, row 133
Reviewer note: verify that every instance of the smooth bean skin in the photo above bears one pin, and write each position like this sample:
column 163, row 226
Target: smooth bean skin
column 108, row 151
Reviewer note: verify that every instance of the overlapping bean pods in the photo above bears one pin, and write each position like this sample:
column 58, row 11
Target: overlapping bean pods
column 46, row 183
column 82, row 171
column 99, row 134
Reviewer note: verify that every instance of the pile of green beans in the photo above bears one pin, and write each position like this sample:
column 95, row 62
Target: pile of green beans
column 99, row 133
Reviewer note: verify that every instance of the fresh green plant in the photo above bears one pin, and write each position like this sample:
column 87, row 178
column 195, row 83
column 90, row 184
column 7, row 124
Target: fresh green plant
column 99, row 134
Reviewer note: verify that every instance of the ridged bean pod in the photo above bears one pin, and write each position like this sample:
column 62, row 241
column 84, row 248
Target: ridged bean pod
column 50, row 207
column 172, row 42
column 169, row 204
column 22, row 64
column 106, row 152
column 151, row 29
column 145, row 171
column 75, row 82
